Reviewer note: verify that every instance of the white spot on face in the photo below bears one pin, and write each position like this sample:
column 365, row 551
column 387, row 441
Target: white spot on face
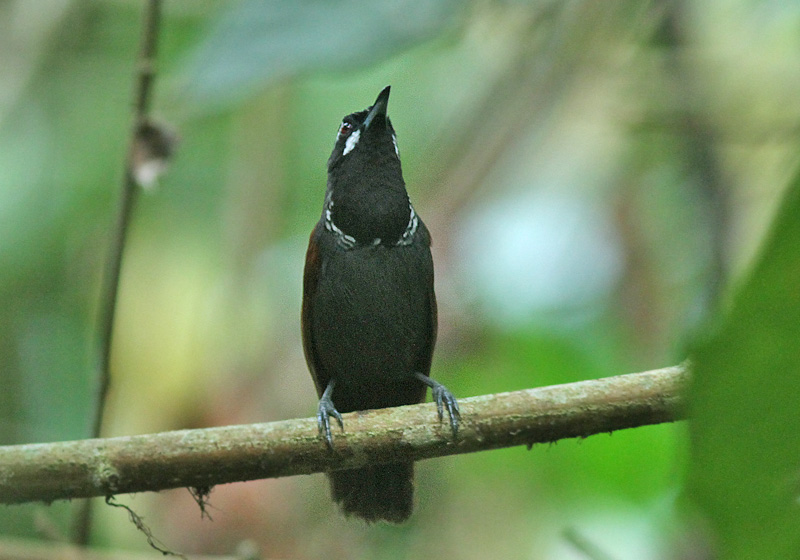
column 351, row 142
column 394, row 141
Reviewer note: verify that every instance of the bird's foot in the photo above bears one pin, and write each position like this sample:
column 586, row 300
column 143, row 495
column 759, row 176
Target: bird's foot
column 324, row 413
column 443, row 399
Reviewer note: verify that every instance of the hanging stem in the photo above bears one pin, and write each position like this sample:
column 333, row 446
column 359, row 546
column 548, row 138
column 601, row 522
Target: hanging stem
column 145, row 74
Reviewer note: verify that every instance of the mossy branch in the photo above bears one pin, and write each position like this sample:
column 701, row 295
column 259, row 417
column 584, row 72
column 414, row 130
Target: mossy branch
column 207, row 457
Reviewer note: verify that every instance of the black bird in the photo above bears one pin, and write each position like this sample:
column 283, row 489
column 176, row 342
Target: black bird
column 369, row 310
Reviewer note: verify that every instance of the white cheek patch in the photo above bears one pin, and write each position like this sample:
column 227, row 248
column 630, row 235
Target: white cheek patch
column 351, row 142
column 394, row 141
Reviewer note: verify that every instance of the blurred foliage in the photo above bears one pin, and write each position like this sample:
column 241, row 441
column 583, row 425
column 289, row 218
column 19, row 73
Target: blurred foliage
column 255, row 42
column 746, row 422
column 595, row 175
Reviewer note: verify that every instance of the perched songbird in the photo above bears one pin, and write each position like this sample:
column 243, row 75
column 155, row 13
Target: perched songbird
column 369, row 310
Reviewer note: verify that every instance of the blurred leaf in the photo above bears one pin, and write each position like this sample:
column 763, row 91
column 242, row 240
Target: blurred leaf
column 256, row 41
column 745, row 430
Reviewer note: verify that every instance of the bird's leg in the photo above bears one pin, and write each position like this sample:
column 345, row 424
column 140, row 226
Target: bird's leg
column 325, row 411
column 443, row 398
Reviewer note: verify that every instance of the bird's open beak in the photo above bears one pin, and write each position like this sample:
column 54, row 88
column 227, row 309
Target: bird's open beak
column 379, row 108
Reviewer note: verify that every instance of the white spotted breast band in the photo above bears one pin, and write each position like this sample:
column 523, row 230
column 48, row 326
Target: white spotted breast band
column 349, row 242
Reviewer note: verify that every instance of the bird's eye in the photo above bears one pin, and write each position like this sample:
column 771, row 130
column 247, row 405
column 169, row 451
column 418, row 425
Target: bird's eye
column 345, row 129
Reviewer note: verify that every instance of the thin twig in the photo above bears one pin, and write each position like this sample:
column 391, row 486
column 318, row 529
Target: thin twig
column 207, row 457
column 114, row 264
column 110, row 289
column 137, row 520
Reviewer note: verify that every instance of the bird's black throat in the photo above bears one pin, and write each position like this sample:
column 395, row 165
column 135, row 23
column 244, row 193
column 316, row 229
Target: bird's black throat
column 371, row 215
column 368, row 193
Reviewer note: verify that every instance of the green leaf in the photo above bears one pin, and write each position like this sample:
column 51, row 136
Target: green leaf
column 745, row 427
column 257, row 41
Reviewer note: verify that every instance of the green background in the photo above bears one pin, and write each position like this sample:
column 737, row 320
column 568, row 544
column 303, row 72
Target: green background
column 610, row 189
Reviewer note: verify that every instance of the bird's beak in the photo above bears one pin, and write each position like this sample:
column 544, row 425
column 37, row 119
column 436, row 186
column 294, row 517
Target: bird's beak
column 379, row 108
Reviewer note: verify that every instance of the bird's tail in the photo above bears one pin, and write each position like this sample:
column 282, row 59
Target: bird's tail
column 376, row 493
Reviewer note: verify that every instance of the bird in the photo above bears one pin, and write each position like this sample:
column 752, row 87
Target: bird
column 369, row 315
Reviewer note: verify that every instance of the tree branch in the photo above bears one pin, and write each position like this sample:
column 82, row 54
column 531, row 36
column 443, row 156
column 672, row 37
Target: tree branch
column 207, row 457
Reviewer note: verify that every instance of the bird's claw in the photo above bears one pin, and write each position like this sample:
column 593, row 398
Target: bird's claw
column 445, row 398
column 324, row 413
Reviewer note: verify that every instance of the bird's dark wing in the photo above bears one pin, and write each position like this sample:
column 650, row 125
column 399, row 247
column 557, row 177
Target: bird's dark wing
column 434, row 318
column 427, row 354
column 311, row 276
column 443, row 398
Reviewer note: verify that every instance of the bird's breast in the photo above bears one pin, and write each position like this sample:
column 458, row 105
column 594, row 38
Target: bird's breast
column 372, row 314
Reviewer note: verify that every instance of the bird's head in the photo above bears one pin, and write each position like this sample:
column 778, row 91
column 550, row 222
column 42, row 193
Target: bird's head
column 365, row 139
